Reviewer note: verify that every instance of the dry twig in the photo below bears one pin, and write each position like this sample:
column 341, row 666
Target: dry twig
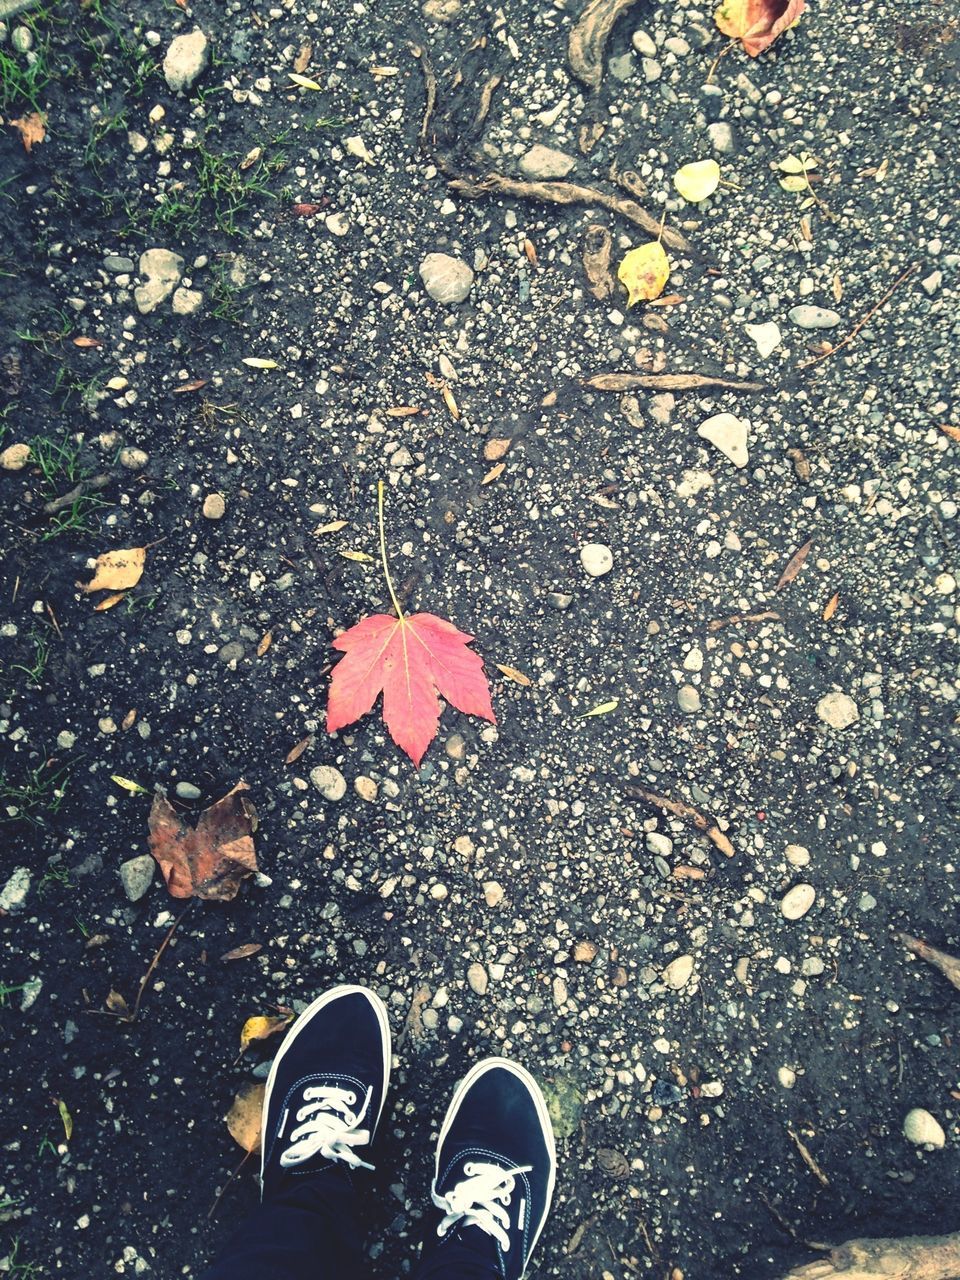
column 665, row 382
column 686, row 811
column 93, row 485
column 948, row 965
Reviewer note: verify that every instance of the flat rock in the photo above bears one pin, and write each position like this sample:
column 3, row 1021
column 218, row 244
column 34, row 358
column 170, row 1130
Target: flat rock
column 923, row 1129
column 722, row 138
column 477, row 979
column 185, row 60
column 678, row 973
column 15, row 457
column 14, row 893
column 596, row 559
column 446, row 279
column 133, row 459
column 767, row 337
column 727, row 433
column 186, row 302
column 810, row 317
column 163, row 270
column 838, row 710
column 544, row 163
column 798, row 901
column 329, row 781
column 688, row 699
column 214, row 506
column 136, row 876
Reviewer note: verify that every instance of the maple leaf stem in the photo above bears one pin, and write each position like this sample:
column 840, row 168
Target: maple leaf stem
column 383, row 553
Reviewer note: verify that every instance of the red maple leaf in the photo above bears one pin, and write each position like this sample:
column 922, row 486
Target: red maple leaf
column 409, row 660
column 757, row 23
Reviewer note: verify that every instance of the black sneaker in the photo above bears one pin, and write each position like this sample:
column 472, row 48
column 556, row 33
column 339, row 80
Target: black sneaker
column 496, row 1166
column 326, row 1088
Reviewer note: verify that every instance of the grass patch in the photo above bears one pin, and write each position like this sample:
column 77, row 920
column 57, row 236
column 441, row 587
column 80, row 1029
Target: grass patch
column 218, row 191
column 35, row 797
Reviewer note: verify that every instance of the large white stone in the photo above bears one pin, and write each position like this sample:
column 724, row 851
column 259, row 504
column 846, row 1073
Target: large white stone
column 185, row 60
column 923, row 1129
column 543, row 163
column 798, row 901
column 446, row 279
column 838, row 710
column 727, row 433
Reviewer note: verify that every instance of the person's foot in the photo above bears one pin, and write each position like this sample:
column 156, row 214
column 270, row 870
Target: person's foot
column 495, row 1168
column 326, row 1088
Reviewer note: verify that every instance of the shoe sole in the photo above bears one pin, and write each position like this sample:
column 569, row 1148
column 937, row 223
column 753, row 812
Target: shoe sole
column 379, row 1008
column 522, row 1074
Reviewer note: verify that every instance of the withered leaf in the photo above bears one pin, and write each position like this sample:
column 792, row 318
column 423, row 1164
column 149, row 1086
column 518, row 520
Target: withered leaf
column 244, row 1117
column 109, row 601
column 613, row 1163
column 306, row 210
column 530, row 250
column 32, row 128
column 241, row 952
column 302, row 60
column 261, row 1028
column 801, row 464
column 210, row 860
column 831, row 606
column 402, row 410
column 494, row 473
column 948, row 430
column 596, row 252
column 116, row 1004
column 296, row 752
column 117, row 571
column 195, row 385
column 129, row 720
column 794, row 565
column 266, row 640
column 66, row 1119
column 513, row 674
column 765, row 615
column 450, row 401
column 85, row 342
column 334, row 526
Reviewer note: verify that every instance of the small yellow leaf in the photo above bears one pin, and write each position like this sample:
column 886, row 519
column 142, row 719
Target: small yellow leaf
column 831, row 607
column 402, row 410
column 513, row 674
column 494, row 473
column 360, row 557
column 837, row 287
column 257, row 362
column 450, row 401
column 792, row 183
column 304, row 82
column 266, row 640
column 244, row 1117
column 67, row 1119
column 603, row 709
column 644, row 272
column 798, row 164
column 948, row 430
column 133, row 787
column 109, row 601
column 117, row 570
column 333, row 527
column 116, row 1004
column 260, row 1029
column 697, row 180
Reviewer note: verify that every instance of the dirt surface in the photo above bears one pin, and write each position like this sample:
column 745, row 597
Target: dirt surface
column 518, row 848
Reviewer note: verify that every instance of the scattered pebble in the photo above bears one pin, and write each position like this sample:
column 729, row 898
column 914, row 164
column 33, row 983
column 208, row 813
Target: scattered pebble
column 185, row 60
column 366, row 788
column 329, row 781
column 477, row 979
column 838, row 710
column 492, row 893
column 446, row 279
column 923, row 1129
column 188, row 791
column 585, row 952
column 133, row 459
column 163, row 270
column 544, row 163
column 798, row 901
column 678, row 972
column 186, row 302
column 810, row 317
column 15, row 457
column 214, row 506
column 767, row 337
column 787, row 1077
column 596, row 559
column 728, row 434
column 136, row 876
column 13, row 897
column 688, row 698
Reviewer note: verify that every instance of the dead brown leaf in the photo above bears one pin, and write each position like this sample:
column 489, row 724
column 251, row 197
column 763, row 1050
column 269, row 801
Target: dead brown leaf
column 129, row 720
column 596, row 252
column 306, row 210
column 450, row 400
column 794, row 565
column 195, row 385
column 32, row 129
column 494, row 473
column 403, row 411
column 109, row 601
column 613, row 1163
column 244, row 1117
column 948, row 430
column 302, row 60
column 266, row 640
column 766, row 615
column 414, row 1023
column 513, row 674
column 86, row 343
column 116, row 1004
column 831, row 606
column 808, row 1158
column 530, row 250
column 837, row 287
column 117, row 570
column 210, row 860
column 296, row 752
column 801, row 464
column 664, row 382
column 241, row 952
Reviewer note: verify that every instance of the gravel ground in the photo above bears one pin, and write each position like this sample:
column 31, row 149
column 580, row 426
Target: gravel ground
column 698, row 1020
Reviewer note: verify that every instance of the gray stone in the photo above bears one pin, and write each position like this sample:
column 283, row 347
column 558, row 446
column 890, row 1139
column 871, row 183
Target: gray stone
column 446, row 279
column 560, row 600
column 136, row 876
column 117, row 264
column 838, row 710
column 688, row 699
column 678, row 973
column 622, row 67
column 329, row 781
column 810, row 317
column 338, row 224
column 931, row 283
column 596, row 559
column 727, row 433
column 214, row 506
column 188, row 791
column 644, row 44
column 543, row 163
column 187, row 302
column 14, row 894
column 28, row 996
column 133, row 459
column 722, row 138
column 652, row 70
column 21, row 39
column 477, row 978
column 659, row 844
column 163, row 270
column 186, row 60
column 233, row 651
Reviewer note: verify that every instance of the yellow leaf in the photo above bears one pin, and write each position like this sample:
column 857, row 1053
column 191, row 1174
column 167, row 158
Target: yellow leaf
column 644, row 272
column 260, row 1029
column 266, row 640
column 333, row 527
column 794, row 183
column 837, row 287
column 243, row 1118
column 32, row 128
column 117, row 570
column 360, row 557
column 494, row 473
column 831, row 607
column 450, row 401
column 67, row 1119
column 513, row 674
column 402, row 410
column 603, row 709
column 133, row 787
column 109, row 601
column 304, row 82
column 952, row 432
column 697, row 180
column 757, row 23
column 116, row 1004
column 257, row 362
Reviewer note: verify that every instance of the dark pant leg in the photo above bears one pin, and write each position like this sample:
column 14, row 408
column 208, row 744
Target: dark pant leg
column 307, row 1230
column 451, row 1259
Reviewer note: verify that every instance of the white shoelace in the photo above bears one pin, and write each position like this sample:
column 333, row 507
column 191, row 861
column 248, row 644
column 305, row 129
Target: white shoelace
column 326, row 1124
column 480, row 1200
